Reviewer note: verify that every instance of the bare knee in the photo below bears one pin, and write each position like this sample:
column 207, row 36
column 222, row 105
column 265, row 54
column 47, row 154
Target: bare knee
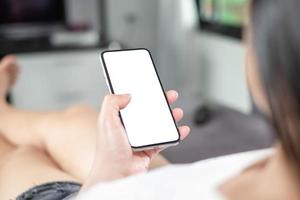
column 79, row 110
column 71, row 117
column 76, row 122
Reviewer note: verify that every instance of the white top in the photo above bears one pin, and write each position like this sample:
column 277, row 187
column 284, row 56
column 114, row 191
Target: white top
column 199, row 180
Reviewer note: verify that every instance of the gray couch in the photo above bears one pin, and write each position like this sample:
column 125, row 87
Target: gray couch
column 228, row 132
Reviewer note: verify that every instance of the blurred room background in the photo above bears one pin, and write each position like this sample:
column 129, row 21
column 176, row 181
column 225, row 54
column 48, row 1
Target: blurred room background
column 196, row 44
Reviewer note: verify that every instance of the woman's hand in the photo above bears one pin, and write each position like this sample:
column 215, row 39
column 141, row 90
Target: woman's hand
column 114, row 157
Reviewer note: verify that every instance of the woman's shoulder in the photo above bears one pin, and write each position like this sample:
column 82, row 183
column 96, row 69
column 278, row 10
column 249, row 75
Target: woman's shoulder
column 239, row 159
column 221, row 168
column 185, row 181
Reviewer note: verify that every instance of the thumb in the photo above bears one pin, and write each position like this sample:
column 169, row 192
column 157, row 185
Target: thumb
column 112, row 104
column 123, row 100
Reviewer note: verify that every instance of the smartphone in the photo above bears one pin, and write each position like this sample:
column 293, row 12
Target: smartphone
column 147, row 119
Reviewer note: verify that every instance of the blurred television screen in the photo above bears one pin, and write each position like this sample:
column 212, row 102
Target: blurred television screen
column 225, row 17
column 31, row 11
column 223, row 12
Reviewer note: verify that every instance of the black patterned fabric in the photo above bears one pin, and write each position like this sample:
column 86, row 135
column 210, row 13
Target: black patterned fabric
column 51, row 191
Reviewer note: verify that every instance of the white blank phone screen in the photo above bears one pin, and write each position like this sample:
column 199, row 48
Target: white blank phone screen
column 147, row 119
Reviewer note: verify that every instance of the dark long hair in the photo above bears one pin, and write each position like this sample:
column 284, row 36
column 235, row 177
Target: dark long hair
column 276, row 40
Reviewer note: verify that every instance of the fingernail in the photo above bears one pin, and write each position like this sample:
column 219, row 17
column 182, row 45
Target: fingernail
column 127, row 95
column 175, row 92
column 188, row 128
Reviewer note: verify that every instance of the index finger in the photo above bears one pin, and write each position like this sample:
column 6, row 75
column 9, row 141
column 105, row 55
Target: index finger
column 172, row 96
